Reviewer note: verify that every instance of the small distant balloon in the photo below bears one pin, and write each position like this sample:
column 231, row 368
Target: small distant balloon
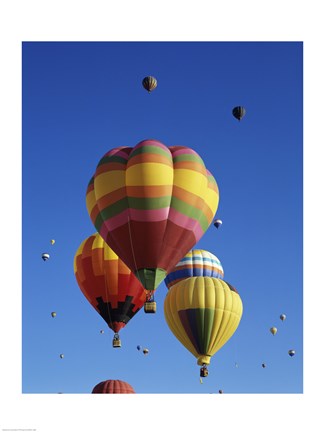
column 149, row 83
column 53, row 314
column 283, row 317
column 239, row 112
column 273, row 330
column 52, row 241
column 145, row 351
column 138, row 347
column 45, row 256
column 102, row 332
column 220, row 391
column 291, row 353
column 61, row 356
column 263, row 365
column 217, row 223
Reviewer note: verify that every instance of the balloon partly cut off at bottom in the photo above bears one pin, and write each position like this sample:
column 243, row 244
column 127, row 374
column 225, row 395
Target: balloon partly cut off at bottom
column 150, row 277
column 203, row 360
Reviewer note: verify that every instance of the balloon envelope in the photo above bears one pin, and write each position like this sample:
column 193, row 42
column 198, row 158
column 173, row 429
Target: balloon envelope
column 107, row 283
column 45, row 256
column 283, row 317
column 149, row 83
column 217, row 223
column 239, row 112
column 203, row 313
column 113, row 386
column 151, row 204
column 197, row 262
column 273, row 330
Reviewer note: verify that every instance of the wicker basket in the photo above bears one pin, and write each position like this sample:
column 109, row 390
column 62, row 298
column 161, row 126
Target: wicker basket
column 203, row 372
column 116, row 343
column 150, row 307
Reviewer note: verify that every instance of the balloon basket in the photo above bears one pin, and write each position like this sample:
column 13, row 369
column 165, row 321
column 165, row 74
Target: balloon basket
column 204, row 372
column 150, row 307
column 116, row 343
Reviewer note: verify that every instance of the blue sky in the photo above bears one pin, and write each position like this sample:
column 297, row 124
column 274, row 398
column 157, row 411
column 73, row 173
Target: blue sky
column 82, row 100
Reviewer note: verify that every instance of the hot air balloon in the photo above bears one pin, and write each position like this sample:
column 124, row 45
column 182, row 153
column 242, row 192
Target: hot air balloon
column 45, row 256
column 220, row 391
column 263, row 365
column 273, row 330
column 203, row 314
column 151, row 204
column 102, row 332
column 283, row 317
column 291, row 353
column 239, row 112
column 61, row 356
column 145, row 351
column 217, row 223
column 139, row 347
column 113, row 386
column 53, row 314
column 108, row 284
column 197, row 262
column 52, row 242
column 149, row 83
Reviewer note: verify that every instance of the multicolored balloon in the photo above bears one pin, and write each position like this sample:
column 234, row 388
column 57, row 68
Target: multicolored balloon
column 197, row 262
column 113, row 386
column 151, row 204
column 203, row 313
column 107, row 283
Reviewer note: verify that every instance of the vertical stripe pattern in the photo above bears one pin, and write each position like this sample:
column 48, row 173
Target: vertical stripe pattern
column 113, row 386
column 203, row 313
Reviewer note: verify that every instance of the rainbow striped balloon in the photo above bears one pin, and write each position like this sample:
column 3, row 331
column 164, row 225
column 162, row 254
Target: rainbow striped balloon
column 197, row 262
column 151, row 204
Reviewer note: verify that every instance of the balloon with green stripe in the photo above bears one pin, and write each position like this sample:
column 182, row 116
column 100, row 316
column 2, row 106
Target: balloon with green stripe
column 151, row 204
column 203, row 313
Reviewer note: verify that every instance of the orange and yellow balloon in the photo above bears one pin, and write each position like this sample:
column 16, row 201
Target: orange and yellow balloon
column 107, row 283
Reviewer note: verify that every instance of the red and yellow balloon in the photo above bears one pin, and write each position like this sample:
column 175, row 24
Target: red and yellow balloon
column 107, row 283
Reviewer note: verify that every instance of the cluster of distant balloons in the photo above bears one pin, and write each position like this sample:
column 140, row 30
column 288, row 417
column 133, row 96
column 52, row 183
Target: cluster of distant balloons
column 273, row 331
